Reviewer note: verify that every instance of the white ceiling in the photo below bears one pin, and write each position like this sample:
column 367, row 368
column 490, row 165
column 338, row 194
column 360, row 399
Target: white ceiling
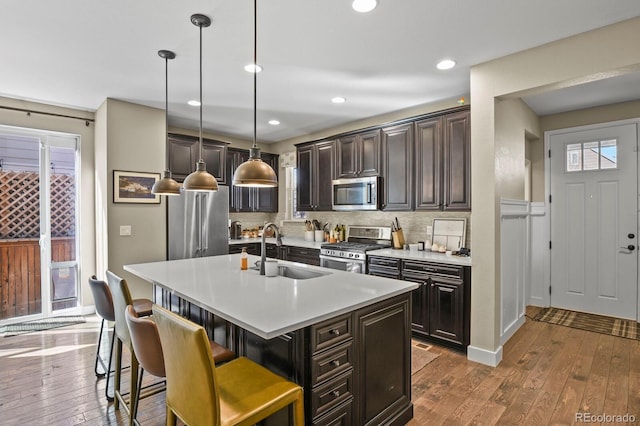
column 79, row 52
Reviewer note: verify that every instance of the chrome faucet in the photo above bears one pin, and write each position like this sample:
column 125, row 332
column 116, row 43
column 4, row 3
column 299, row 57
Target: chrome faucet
column 263, row 244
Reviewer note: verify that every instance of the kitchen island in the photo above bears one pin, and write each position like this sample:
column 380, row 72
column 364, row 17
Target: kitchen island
column 344, row 337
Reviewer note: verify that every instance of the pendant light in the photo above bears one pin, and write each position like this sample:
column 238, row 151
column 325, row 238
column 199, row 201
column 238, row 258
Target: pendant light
column 255, row 172
column 200, row 180
column 166, row 185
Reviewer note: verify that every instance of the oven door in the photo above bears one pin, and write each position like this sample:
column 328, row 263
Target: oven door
column 348, row 265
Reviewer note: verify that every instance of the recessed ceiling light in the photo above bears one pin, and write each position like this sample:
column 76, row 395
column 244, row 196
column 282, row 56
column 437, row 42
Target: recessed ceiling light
column 364, row 5
column 446, row 64
column 274, row 122
column 339, row 100
column 253, row 68
column 193, row 102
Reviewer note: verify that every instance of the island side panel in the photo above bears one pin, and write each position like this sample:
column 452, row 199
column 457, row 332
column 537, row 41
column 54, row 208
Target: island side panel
column 383, row 333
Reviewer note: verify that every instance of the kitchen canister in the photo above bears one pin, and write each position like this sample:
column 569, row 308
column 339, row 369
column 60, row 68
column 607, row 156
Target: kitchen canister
column 319, row 235
column 308, row 235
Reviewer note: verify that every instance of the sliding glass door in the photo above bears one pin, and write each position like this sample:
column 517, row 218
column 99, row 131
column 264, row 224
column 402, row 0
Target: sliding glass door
column 38, row 224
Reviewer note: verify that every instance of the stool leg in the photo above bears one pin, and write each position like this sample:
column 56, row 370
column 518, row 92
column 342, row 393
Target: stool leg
column 116, row 384
column 95, row 367
column 106, row 389
column 171, row 417
column 133, row 394
column 134, row 408
column 298, row 411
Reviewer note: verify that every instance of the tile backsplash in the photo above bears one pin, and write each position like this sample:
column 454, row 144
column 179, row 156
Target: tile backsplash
column 414, row 224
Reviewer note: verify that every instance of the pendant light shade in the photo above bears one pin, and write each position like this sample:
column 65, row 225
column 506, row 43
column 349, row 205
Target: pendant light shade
column 255, row 172
column 166, row 185
column 200, row 180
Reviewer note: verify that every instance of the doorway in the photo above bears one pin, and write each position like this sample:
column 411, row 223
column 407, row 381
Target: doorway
column 38, row 225
column 593, row 194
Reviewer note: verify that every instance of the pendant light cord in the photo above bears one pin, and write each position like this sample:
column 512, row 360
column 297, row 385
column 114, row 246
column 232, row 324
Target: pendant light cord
column 200, row 159
column 255, row 73
column 166, row 110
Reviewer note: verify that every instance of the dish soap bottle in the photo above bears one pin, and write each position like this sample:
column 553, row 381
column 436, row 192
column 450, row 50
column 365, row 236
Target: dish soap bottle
column 244, row 259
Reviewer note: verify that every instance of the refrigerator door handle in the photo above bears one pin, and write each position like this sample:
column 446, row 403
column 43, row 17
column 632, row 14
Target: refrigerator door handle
column 204, row 223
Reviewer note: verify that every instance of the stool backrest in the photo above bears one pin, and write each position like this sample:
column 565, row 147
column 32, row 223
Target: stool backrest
column 102, row 298
column 187, row 356
column 146, row 342
column 121, row 299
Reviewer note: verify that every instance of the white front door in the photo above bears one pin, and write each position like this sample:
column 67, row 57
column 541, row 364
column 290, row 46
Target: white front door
column 594, row 220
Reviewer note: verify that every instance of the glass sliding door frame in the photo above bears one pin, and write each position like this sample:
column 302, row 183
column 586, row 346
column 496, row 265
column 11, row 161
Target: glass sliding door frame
column 46, row 142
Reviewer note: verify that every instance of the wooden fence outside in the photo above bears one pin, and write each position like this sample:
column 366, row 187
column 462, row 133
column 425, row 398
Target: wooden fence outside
column 20, row 275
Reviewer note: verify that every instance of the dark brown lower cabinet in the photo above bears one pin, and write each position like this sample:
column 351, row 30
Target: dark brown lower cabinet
column 441, row 305
column 355, row 368
column 310, row 256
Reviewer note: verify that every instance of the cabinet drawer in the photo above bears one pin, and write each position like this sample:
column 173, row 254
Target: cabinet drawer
column 330, row 332
column 340, row 416
column 331, row 363
column 386, row 262
column 433, row 268
column 331, row 394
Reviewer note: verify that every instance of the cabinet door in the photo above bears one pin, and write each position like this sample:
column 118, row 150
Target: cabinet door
column 304, row 172
column 183, row 155
column 428, row 144
column 397, row 167
column 324, row 171
column 457, row 160
column 369, row 153
column 446, row 306
column 419, row 304
column 383, row 360
column 347, row 154
column 214, row 156
column 267, row 198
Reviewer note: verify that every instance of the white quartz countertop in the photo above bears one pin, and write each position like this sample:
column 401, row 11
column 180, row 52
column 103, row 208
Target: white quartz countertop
column 422, row 255
column 267, row 306
column 286, row 241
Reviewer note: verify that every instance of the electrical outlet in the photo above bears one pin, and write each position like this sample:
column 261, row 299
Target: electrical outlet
column 125, row 230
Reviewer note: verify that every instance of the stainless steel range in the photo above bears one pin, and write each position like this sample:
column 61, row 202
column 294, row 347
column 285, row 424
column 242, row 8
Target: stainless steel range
column 351, row 255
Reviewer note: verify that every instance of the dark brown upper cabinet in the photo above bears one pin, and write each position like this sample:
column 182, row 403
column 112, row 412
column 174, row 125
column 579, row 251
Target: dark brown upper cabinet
column 184, row 153
column 246, row 199
column 315, row 171
column 397, row 167
column 358, row 155
column 428, row 146
column 457, row 161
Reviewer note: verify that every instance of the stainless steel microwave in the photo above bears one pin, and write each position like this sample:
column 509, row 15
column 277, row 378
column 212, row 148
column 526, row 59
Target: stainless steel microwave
column 356, row 193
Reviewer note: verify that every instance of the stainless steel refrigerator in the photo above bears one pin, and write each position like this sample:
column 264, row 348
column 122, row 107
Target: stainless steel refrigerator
column 198, row 224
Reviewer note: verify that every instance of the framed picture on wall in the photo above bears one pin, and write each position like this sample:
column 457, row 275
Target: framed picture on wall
column 134, row 187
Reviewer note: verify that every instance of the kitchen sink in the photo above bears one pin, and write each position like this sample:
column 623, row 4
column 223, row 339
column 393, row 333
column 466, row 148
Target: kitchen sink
column 299, row 273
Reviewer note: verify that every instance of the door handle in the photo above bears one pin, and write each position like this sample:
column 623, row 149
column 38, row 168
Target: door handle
column 630, row 247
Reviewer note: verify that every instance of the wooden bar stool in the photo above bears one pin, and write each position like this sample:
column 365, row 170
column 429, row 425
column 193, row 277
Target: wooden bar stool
column 103, row 302
column 148, row 350
column 239, row 392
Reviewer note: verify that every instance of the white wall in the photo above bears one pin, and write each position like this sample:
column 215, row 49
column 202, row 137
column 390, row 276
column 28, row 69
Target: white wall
column 129, row 137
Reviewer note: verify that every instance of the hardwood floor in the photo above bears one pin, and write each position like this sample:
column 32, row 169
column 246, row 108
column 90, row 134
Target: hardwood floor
column 548, row 374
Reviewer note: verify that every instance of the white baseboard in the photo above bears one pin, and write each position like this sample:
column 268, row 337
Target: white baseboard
column 484, row 356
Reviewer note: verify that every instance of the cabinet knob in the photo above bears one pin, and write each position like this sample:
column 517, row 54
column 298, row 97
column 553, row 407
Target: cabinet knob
column 336, row 362
column 336, row 393
column 335, row 331
column 433, row 285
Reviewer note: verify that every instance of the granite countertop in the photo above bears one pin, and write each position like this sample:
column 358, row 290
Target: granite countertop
column 267, row 306
column 286, row 241
column 422, row 255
